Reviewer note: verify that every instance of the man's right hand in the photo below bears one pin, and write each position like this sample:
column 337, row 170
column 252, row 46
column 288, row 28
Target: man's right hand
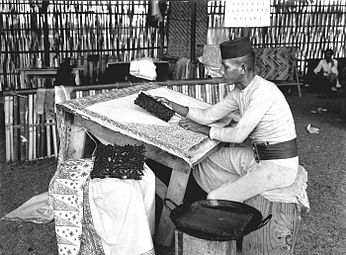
column 162, row 100
column 181, row 110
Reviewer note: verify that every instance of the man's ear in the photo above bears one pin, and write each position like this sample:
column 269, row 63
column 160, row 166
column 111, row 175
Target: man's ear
column 243, row 68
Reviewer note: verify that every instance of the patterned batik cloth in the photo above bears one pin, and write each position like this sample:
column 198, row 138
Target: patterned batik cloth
column 81, row 219
column 66, row 196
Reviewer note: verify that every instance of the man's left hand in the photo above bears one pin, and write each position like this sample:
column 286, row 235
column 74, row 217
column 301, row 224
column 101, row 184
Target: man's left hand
column 193, row 126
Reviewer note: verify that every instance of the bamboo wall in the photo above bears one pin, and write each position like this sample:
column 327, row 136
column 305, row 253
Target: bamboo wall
column 118, row 31
column 33, row 35
column 309, row 25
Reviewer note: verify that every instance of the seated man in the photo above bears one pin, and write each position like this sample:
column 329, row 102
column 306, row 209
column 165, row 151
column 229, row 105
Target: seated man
column 240, row 172
column 326, row 72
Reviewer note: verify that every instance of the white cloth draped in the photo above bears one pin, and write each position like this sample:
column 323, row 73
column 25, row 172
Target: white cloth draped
column 123, row 213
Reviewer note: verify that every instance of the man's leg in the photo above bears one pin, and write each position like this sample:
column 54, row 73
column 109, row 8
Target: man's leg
column 225, row 165
column 333, row 81
column 259, row 178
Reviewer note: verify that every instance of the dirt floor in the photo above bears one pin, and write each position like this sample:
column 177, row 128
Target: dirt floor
column 323, row 229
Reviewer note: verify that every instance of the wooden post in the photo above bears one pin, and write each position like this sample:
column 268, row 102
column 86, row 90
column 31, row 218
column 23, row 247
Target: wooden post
column 175, row 191
column 193, row 30
column 189, row 245
column 45, row 5
column 279, row 236
column 245, row 32
column 2, row 136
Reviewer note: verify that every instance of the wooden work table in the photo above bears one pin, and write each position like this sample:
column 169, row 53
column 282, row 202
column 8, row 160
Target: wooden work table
column 169, row 145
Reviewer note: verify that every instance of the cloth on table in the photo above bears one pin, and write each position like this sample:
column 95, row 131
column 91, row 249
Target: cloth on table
column 143, row 68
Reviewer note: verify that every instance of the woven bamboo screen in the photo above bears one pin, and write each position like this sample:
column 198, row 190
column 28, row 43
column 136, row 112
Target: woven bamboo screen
column 33, row 34
column 187, row 21
column 117, row 30
column 309, row 25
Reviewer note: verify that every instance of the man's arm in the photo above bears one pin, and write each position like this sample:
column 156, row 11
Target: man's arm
column 214, row 113
column 258, row 106
column 180, row 109
column 204, row 116
column 334, row 68
column 318, row 67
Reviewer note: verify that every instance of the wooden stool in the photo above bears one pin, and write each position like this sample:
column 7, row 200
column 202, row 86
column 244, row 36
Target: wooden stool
column 189, row 245
column 279, row 236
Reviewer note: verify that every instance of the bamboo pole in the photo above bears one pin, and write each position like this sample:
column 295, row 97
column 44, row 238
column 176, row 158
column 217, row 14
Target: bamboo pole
column 30, row 128
column 120, row 85
column 48, row 138
column 11, row 142
column 2, row 137
column 6, row 128
column 55, row 142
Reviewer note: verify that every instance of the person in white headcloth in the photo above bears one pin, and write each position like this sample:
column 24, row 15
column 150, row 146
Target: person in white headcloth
column 269, row 160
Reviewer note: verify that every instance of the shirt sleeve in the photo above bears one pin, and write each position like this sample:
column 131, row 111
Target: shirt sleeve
column 318, row 67
column 214, row 113
column 258, row 106
column 334, row 69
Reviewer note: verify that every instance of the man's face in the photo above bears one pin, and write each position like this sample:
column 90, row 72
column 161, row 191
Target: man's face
column 328, row 55
column 231, row 71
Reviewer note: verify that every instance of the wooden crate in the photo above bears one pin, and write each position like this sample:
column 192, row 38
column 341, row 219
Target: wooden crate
column 279, row 236
column 189, row 245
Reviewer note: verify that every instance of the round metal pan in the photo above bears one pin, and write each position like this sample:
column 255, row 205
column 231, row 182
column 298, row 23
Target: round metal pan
column 217, row 220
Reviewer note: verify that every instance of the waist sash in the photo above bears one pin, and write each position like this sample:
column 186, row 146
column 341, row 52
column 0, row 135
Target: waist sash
column 281, row 150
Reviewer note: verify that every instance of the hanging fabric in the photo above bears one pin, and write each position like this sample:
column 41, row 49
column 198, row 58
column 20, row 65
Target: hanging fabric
column 179, row 25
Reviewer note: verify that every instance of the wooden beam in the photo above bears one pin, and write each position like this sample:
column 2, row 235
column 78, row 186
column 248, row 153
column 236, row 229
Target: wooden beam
column 120, row 85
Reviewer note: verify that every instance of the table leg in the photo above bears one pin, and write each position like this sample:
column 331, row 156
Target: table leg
column 76, row 145
column 175, row 191
column 72, row 137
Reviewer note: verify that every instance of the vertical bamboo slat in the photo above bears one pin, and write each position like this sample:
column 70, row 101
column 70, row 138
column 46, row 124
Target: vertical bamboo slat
column 11, row 103
column 30, row 128
column 7, row 126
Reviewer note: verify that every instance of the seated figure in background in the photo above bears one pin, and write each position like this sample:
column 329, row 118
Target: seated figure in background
column 326, row 73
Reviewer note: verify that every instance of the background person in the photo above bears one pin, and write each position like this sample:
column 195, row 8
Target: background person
column 327, row 73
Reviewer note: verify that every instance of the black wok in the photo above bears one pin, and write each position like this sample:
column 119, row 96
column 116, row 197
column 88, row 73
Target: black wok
column 217, row 220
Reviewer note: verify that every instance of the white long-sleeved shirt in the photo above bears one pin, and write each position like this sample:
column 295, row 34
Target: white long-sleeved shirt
column 327, row 67
column 265, row 115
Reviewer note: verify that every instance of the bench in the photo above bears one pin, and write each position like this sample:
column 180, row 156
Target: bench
column 279, row 65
